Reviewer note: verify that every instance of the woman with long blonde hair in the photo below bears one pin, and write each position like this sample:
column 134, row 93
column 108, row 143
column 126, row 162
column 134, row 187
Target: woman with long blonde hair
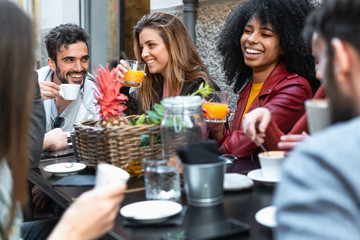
column 173, row 66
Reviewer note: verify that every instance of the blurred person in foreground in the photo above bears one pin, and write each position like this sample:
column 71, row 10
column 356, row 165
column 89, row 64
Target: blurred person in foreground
column 16, row 69
column 319, row 196
column 68, row 62
column 269, row 65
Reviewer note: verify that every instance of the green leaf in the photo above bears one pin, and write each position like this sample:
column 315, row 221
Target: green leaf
column 144, row 140
column 132, row 122
column 159, row 109
column 204, row 90
column 154, row 116
column 140, row 120
column 151, row 121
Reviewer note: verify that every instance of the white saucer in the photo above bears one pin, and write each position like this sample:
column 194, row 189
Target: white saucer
column 236, row 182
column 266, row 217
column 153, row 211
column 257, row 175
column 63, row 169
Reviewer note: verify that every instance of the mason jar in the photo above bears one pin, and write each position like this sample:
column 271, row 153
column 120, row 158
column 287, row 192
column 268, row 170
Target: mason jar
column 183, row 123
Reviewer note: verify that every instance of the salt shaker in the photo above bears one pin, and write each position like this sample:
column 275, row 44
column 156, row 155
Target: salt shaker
column 183, row 123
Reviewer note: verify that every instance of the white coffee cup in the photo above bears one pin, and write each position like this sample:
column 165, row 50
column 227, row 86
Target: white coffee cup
column 109, row 173
column 318, row 114
column 271, row 164
column 70, row 91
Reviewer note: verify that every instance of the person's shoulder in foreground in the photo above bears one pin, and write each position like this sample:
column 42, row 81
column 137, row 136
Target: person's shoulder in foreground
column 319, row 196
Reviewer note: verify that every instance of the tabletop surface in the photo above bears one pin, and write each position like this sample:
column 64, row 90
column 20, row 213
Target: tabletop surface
column 240, row 205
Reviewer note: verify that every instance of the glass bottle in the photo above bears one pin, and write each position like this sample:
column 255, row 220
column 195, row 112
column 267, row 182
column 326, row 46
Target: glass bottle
column 183, row 123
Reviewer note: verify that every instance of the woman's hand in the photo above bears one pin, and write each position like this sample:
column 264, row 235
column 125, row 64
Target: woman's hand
column 123, row 68
column 288, row 142
column 92, row 214
column 217, row 130
column 255, row 124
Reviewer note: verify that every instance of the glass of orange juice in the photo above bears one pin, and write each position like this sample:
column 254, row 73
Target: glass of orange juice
column 135, row 74
column 215, row 105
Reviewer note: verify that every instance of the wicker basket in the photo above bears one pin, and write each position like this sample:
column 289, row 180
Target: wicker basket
column 118, row 145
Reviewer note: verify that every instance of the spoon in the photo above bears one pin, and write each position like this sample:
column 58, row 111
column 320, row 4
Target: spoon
column 263, row 148
column 69, row 165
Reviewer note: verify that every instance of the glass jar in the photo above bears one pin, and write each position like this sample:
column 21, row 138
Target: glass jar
column 183, row 123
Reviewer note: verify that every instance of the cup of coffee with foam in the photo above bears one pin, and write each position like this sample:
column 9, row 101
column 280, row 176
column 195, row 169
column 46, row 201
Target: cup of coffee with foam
column 271, row 164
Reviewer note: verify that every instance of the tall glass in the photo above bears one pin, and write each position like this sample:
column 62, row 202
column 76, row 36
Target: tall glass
column 216, row 105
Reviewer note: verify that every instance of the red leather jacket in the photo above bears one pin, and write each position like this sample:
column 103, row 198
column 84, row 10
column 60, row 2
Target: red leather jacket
column 273, row 133
column 283, row 94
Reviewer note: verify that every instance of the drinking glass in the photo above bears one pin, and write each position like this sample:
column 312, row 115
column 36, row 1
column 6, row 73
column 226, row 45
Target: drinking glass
column 162, row 179
column 135, row 74
column 216, row 105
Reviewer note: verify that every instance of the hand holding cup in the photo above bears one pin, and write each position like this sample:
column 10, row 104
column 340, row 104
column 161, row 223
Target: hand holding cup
column 132, row 72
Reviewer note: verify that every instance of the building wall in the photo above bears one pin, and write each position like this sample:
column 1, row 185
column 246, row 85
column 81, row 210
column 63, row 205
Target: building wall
column 54, row 13
column 211, row 19
column 134, row 10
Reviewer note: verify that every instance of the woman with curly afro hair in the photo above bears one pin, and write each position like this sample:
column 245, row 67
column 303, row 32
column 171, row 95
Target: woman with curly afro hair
column 269, row 65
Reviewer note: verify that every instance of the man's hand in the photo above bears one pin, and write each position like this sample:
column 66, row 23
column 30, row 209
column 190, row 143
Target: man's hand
column 288, row 142
column 49, row 90
column 39, row 198
column 55, row 140
column 255, row 124
column 217, row 130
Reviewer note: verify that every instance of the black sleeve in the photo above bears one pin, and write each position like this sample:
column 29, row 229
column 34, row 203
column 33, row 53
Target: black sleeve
column 37, row 127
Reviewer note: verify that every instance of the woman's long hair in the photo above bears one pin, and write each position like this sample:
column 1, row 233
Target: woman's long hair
column 184, row 63
column 288, row 18
column 16, row 89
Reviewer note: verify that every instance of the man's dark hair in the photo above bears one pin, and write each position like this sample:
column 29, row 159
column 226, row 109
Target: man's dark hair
column 64, row 35
column 288, row 19
column 336, row 18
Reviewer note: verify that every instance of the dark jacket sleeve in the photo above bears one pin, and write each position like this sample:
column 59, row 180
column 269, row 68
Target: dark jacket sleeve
column 36, row 128
column 273, row 132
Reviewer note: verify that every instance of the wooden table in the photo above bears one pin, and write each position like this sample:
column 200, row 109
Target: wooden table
column 239, row 205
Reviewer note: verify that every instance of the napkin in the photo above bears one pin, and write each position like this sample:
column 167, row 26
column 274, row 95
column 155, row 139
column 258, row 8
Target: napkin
column 176, row 220
column 236, row 182
column 199, row 152
column 76, row 180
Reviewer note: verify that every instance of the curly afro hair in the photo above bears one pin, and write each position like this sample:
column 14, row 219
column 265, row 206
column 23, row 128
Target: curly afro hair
column 287, row 18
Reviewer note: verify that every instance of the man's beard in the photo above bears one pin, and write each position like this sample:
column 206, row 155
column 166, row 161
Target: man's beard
column 342, row 107
column 63, row 80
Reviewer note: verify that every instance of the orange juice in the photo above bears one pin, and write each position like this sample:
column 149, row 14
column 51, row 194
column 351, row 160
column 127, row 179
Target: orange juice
column 133, row 78
column 215, row 110
column 134, row 168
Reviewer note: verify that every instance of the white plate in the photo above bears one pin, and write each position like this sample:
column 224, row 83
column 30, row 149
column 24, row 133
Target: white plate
column 236, row 182
column 257, row 175
column 153, row 211
column 266, row 217
column 62, row 169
